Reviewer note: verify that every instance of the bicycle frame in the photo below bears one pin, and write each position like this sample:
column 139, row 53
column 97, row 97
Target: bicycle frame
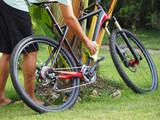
column 42, row 70
column 102, row 22
column 102, row 16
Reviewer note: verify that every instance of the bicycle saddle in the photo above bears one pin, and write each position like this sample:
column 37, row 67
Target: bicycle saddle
column 45, row 1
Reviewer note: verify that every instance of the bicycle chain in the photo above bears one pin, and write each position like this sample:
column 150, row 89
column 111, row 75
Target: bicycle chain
column 82, row 67
column 73, row 87
column 68, row 68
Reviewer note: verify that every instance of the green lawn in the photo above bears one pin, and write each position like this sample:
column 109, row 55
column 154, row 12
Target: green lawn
column 129, row 106
column 150, row 38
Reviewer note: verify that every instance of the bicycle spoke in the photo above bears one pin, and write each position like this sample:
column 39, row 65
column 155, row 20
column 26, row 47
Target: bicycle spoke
column 35, row 77
column 142, row 78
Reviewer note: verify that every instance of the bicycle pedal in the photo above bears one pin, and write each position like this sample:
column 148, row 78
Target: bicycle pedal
column 96, row 64
column 99, row 60
column 102, row 58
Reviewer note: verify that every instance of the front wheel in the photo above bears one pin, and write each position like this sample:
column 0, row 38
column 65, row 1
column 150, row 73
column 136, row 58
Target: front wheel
column 141, row 77
column 30, row 61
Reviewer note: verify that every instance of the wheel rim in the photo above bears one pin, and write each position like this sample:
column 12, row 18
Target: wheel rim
column 138, row 77
column 43, row 91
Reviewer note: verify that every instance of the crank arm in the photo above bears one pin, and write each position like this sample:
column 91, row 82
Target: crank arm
column 96, row 64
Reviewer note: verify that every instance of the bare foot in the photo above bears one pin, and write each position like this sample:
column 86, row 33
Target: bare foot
column 6, row 101
column 91, row 46
column 39, row 102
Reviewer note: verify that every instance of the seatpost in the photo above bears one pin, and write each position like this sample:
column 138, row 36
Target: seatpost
column 46, row 7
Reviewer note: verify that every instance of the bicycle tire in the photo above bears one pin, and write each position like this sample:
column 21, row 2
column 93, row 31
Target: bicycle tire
column 57, row 103
column 140, row 78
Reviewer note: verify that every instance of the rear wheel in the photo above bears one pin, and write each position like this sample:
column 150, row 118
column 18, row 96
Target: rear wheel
column 142, row 77
column 30, row 60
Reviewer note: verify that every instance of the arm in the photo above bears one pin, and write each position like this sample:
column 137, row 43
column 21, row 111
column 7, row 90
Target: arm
column 76, row 28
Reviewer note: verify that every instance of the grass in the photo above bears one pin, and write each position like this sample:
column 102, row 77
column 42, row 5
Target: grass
column 150, row 38
column 129, row 106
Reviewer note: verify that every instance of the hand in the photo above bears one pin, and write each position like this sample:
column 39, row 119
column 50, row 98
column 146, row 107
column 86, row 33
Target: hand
column 91, row 46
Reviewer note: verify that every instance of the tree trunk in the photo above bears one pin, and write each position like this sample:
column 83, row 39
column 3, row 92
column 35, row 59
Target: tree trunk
column 75, row 42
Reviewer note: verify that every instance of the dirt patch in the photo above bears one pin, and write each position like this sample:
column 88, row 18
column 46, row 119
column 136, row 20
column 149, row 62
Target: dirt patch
column 101, row 84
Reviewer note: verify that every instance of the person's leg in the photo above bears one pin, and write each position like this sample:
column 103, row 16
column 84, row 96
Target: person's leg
column 4, row 71
column 29, row 68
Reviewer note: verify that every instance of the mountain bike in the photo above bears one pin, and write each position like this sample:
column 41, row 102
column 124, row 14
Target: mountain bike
column 57, row 74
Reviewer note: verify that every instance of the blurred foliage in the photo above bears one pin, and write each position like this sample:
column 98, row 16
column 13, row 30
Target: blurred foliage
column 41, row 22
column 135, row 13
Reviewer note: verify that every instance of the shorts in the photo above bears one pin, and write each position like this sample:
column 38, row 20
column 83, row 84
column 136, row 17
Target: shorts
column 14, row 26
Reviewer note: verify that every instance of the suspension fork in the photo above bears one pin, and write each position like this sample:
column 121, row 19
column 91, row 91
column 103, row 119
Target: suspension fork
column 126, row 41
column 126, row 63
